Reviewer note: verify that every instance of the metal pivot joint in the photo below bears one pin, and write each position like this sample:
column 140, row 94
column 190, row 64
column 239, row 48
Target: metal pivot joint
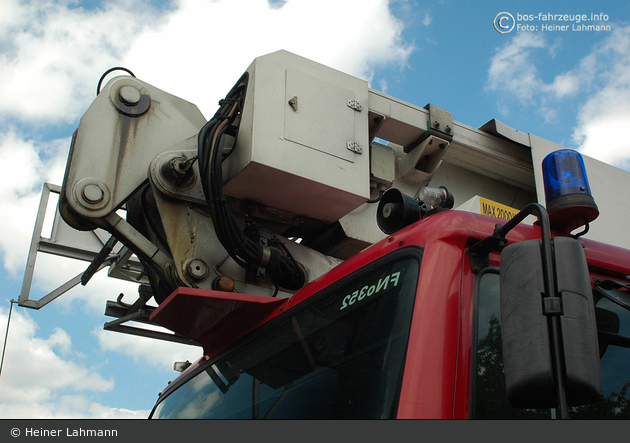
column 129, row 97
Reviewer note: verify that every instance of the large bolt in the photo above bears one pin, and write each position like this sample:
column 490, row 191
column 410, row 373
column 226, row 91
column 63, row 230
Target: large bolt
column 92, row 194
column 178, row 171
column 129, row 95
column 179, row 167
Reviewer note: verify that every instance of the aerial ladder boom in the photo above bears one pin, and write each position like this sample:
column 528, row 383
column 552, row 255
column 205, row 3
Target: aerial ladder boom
column 272, row 192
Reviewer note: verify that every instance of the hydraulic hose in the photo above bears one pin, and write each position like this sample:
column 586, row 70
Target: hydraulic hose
column 250, row 254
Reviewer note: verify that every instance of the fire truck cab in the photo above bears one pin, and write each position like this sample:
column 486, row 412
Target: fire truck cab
column 409, row 328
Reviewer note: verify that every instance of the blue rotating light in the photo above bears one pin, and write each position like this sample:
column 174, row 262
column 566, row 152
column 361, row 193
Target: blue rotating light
column 567, row 192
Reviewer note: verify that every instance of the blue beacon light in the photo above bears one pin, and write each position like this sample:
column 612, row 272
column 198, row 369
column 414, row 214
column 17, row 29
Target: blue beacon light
column 567, row 192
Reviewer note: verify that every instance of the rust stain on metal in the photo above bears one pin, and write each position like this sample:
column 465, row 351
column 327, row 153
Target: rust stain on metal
column 128, row 129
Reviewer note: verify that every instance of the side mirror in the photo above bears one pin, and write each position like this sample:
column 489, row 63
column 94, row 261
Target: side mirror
column 525, row 322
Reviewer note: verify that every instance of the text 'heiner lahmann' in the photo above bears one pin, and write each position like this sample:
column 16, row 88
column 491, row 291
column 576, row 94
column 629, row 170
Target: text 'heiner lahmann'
column 31, row 432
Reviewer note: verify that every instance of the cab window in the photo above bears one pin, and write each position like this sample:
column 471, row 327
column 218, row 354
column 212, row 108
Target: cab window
column 488, row 396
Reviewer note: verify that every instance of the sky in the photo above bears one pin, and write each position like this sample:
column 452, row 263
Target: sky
column 568, row 86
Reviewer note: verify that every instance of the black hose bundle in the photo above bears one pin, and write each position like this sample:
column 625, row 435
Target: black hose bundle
column 248, row 253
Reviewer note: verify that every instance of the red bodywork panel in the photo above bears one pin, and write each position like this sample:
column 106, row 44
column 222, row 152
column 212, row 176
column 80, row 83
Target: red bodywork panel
column 436, row 381
column 215, row 319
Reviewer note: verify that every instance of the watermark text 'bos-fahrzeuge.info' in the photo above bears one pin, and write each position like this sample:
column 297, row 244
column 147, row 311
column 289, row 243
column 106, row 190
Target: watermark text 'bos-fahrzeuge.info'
column 505, row 22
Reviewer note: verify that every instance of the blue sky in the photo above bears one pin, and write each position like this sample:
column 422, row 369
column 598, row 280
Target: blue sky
column 571, row 87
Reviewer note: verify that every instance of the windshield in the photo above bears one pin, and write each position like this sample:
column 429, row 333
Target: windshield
column 340, row 356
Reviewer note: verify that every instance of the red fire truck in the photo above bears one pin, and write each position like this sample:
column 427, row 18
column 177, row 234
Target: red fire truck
column 298, row 239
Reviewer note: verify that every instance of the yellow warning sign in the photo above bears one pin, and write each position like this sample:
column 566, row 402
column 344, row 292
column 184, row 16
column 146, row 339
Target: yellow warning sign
column 494, row 209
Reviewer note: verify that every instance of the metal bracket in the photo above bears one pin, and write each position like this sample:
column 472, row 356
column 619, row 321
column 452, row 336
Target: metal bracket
column 440, row 124
column 67, row 242
column 480, row 251
column 138, row 312
column 142, row 316
column 552, row 305
column 294, row 103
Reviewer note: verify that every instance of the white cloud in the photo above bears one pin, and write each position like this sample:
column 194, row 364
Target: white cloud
column 68, row 407
column 602, row 123
column 28, row 164
column 565, row 84
column 34, row 371
column 513, row 68
column 60, row 340
column 604, row 117
column 198, row 54
column 52, row 55
column 147, row 351
column 426, row 21
column 383, row 85
column 600, row 82
column 35, row 379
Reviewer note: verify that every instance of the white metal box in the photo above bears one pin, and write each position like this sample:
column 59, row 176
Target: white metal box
column 303, row 139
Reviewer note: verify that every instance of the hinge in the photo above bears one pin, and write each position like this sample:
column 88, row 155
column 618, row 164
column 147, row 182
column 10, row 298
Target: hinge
column 353, row 104
column 354, row 147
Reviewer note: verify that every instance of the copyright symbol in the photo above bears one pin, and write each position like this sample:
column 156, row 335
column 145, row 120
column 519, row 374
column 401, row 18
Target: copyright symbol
column 504, row 22
column 15, row 432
